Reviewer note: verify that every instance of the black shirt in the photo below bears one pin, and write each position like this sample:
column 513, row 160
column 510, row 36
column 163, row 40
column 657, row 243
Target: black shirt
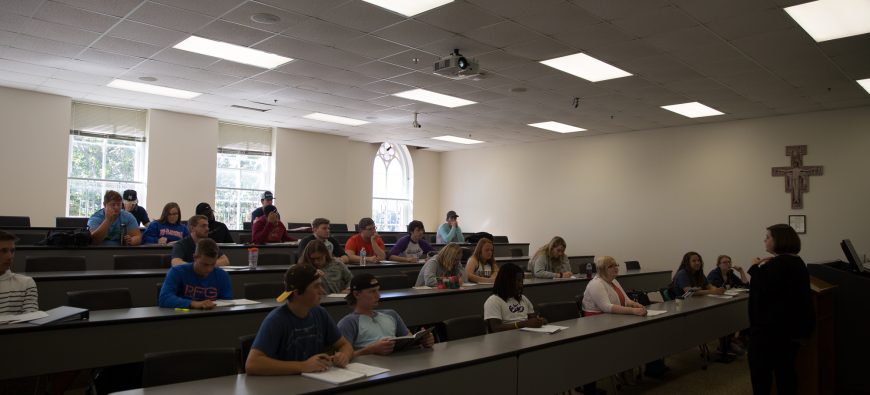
column 141, row 215
column 337, row 249
column 780, row 303
column 185, row 248
column 218, row 232
column 256, row 213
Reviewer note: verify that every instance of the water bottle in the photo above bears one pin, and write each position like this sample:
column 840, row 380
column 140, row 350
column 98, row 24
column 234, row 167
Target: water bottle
column 253, row 255
column 362, row 256
column 123, row 234
column 589, row 270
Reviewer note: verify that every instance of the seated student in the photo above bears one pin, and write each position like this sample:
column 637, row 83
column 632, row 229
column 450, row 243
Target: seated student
column 604, row 294
column 266, row 199
column 723, row 265
column 411, row 247
column 18, row 294
column 450, row 232
column 105, row 224
column 371, row 331
column 183, row 250
column 445, row 264
column 168, row 229
column 131, row 205
column 320, row 231
column 217, row 231
column 295, row 336
column 268, row 228
column 507, row 308
column 482, row 267
column 550, row 260
column 198, row 284
column 336, row 278
column 367, row 239
column 690, row 275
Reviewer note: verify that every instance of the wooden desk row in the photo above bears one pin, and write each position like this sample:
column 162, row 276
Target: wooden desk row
column 112, row 337
column 514, row 362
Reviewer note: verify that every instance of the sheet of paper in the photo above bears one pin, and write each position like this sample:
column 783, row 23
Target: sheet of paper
column 653, row 313
column 422, row 287
column 468, row 285
column 235, row 267
column 17, row 318
column 339, row 295
column 367, row 370
column 721, row 296
column 545, row 329
column 234, row 302
column 335, row 375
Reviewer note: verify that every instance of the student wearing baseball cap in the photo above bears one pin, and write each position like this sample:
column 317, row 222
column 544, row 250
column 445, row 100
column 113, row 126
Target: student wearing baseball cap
column 131, row 205
column 266, row 199
column 450, row 232
column 372, row 331
column 217, row 231
column 294, row 337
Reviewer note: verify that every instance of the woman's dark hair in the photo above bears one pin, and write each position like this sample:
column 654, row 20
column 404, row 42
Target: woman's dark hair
column 696, row 278
column 505, row 285
column 164, row 217
column 785, row 239
column 268, row 210
column 414, row 225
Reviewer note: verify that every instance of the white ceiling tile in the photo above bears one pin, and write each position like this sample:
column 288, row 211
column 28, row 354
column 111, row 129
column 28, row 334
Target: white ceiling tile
column 69, row 75
column 380, row 70
column 459, row 17
column 235, row 69
column 20, row 7
column 613, row 9
column 586, row 37
column 184, row 58
column 684, row 39
column 466, row 46
column 552, row 18
column 46, row 46
column 371, row 46
column 540, row 49
column 306, row 7
column 321, row 32
column 232, row 33
column 144, row 33
column 502, row 34
column 92, row 68
column 654, row 21
column 21, row 80
column 58, row 32
column 387, row 87
column 169, row 17
column 751, row 23
column 119, row 8
column 413, row 59
column 242, row 15
column 412, row 33
column 110, row 59
column 207, row 7
column 715, row 10
column 418, row 79
column 125, row 47
column 391, row 101
column 66, row 15
column 279, row 78
column 27, row 68
column 362, row 16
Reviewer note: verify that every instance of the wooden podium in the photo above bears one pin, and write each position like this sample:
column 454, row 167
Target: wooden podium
column 815, row 360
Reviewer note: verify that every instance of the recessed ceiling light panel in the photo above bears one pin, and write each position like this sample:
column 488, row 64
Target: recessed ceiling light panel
column 408, row 8
column 557, row 127
column 335, row 119
column 458, row 140
column 693, row 110
column 433, row 98
column 231, row 52
column 827, row 20
column 586, row 67
column 152, row 89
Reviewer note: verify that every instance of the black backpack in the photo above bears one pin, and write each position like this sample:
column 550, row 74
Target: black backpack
column 474, row 238
column 67, row 238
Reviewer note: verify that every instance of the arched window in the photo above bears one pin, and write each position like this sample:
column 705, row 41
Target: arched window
column 392, row 188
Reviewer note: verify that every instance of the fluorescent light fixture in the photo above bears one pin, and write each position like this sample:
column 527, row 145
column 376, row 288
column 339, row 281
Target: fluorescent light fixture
column 152, row 89
column 408, row 7
column 865, row 83
column 231, row 52
column 459, row 140
column 434, row 98
column 831, row 19
column 334, row 119
column 586, row 67
column 692, row 110
column 557, row 127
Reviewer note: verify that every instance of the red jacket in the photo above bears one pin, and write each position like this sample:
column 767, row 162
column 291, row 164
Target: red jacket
column 263, row 232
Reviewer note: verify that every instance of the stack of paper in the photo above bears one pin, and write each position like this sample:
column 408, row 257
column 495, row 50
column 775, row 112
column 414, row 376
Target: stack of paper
column 422, row 287
column 468, row 285
column 234, row 302
column 353, row 371
column 721, row 296
column 338, row 295
column 18, row 318
column 545, row 329
column 653, row 313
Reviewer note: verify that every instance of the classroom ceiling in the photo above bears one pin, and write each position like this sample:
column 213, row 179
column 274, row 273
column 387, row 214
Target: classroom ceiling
column 746, row 58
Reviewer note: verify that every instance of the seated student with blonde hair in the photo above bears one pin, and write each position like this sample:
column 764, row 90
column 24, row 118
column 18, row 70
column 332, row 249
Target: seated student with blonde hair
column 507, row 308
column 372, row 331
column 295, row 336
column 604, row 294
column 550, row 260
column 481, row 266
column 445, row 264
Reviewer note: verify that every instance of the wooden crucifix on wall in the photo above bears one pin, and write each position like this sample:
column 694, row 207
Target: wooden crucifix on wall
column 797, row 176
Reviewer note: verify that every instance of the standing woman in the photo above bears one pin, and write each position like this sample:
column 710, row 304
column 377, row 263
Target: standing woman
column 168, row 229
column 690, row 275
column 780, row 311
column 482, row 267
column 550, row 260
column 445, row 264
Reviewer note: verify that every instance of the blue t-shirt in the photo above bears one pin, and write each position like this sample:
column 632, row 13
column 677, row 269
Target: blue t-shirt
column 362, row 330
column 286, row 337
column 182, row 286
column 172, row 232
column 113, row 237
column 682, row 281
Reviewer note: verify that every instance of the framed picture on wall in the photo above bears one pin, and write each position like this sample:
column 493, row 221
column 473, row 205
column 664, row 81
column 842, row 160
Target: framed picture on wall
column 798, row 222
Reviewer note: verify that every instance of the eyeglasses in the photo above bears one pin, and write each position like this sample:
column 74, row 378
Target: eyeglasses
column 174, row 213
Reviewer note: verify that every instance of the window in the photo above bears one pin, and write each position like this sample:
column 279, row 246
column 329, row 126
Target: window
column 106, row 151
column 392, row 188
column 244, row 171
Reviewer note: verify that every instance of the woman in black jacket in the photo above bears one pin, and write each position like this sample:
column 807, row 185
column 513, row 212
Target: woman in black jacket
column 780, row 312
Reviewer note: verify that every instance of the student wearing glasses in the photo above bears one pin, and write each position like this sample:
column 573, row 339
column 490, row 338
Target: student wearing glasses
column 168, row 228
column 367, row 239
column 604, row 294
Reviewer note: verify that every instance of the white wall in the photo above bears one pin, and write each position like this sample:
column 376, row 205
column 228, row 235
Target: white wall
column 427, row 188
column 651, row 196
column 34, row 154
column 181, row 162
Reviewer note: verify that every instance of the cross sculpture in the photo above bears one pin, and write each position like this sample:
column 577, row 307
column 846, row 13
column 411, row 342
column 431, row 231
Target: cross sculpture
column 797, row 176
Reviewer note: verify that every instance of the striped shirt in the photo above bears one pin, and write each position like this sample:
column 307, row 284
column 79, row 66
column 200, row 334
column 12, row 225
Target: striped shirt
column 18, row 294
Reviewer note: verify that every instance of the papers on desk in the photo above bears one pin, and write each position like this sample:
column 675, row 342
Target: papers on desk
column 545, row 329
column 736, row 291
column 338, row 295
column 19, row 318
column 234, row 302
column 231, row 268
column 423, row 287
column 721, row 296
column 353, row 371
column 468, row 285
column 653, row 313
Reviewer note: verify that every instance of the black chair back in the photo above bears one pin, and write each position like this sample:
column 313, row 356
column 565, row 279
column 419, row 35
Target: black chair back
column 54, row 264
column 411, row 275
column 171, row 367
column 245, row 238
column 100, row 299
column 500, row 239
column 632, row 265
column 389, row 239
column 516, row 252
column 578, row 299
column 275, row 259
column 9, row 221
column 462, row 327
column 29, row 239
column 394, row 281
column 466, row 253
column 71, row 222
column 338, row 227
column 245, row 343
column 341, row 238
column 296, row 225
column 146, row 261
column 269, row 290
column 246, row 226
column 559, row 311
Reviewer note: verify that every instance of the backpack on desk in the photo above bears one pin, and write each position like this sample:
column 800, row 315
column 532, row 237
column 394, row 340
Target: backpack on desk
column 67, row 238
